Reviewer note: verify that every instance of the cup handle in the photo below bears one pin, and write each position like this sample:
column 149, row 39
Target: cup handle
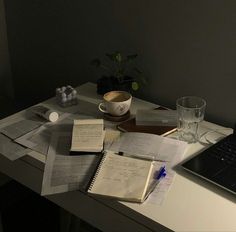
column 102, row 107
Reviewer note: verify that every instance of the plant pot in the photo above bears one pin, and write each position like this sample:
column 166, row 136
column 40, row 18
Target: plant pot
column 106, row 84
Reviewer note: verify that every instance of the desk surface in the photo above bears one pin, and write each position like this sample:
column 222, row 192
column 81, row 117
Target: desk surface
column 190, row 205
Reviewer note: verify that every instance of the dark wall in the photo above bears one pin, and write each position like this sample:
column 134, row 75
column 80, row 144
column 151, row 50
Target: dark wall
column 5, row 70
column 185, row 47
column 35, row 35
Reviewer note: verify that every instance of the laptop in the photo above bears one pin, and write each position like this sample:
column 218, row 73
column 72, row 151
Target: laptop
column 216, row 164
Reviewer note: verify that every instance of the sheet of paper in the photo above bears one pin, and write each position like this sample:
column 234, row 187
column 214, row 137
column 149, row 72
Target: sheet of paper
column 88, row 135
column 110, row 137
column 21, row 127
column 39, row 139
column 156, row 117
column 64, row 173
column 149, row 145
column 10, row 149
column 157, row 197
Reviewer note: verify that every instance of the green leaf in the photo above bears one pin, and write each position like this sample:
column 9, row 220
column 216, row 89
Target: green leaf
column 135, row 85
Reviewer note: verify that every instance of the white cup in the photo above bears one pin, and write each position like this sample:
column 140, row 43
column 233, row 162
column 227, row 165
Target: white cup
column 116, row 103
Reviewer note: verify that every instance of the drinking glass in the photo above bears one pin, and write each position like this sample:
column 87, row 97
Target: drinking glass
column 190, row 112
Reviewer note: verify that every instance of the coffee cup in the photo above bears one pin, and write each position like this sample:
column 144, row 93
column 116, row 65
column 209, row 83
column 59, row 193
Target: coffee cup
column 116, row 103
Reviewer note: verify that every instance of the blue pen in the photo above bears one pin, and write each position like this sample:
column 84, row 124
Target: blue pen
column 161, row 174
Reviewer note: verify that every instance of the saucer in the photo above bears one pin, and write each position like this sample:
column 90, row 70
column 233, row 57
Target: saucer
column 113, row 118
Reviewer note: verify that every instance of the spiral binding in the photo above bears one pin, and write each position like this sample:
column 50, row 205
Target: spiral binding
column 97, row 171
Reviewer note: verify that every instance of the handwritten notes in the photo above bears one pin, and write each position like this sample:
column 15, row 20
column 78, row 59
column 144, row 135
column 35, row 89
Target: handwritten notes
column 150, row 145
column 87, row 135
column 122, row 177
column 64, row 173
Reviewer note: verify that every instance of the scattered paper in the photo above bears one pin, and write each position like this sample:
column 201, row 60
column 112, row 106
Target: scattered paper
column 144, row 145
column 149, row 145
column 157, row 197
column 39, row 139
column 64, row 173
column 21, row 127
column 10, row 149
column 110, row 137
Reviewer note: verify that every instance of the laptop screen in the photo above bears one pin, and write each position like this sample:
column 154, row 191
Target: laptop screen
column 216, row 164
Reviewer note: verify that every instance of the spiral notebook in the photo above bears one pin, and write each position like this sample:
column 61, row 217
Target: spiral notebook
column 123, row 178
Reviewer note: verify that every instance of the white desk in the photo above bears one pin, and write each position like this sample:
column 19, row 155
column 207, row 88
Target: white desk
column 190, row 205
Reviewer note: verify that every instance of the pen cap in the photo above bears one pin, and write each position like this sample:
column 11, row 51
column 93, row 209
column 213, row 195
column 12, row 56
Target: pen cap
column 45, row 112
column 52, row 116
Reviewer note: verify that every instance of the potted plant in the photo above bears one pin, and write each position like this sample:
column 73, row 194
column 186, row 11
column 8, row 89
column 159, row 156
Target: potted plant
column 121, row 73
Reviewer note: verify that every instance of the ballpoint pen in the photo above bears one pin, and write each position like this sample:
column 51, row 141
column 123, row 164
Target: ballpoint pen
column 151, row 157
column 161, row 174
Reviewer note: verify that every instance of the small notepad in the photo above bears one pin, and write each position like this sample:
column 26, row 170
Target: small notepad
column 88, row 135
column 121, row 177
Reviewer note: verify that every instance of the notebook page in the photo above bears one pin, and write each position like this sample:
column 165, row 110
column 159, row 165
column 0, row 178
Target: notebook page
column 122, row 177
column 88, row 135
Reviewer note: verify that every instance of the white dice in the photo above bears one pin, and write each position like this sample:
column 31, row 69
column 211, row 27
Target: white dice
column 66, row 96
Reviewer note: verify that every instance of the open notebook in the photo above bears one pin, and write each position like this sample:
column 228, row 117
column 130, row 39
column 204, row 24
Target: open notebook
column 121, row 177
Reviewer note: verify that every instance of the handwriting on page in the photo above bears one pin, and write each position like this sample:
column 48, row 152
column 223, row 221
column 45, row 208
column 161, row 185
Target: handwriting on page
column 124, row 170
column 84, row 131
column 144, row 144
column 122, row 177
column 63, row 172
column 10, row 149
column 20, row 128
column 138, row 143
column 87, row 135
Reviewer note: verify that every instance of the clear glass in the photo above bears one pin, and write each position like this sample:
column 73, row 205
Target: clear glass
column 190, row 111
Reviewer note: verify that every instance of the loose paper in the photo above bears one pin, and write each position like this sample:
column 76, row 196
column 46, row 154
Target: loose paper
column 63, row 172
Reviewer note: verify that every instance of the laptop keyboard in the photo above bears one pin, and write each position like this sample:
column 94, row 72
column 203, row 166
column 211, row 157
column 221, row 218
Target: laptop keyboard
column 225, row 151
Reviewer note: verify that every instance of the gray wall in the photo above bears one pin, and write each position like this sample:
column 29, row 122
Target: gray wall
column 5, row 71
column 185, row 47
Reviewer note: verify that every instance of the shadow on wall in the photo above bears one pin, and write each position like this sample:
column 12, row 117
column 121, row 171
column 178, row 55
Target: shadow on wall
column 36, row 45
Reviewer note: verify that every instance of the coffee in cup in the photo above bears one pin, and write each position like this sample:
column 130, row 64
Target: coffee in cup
column 116, row 103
